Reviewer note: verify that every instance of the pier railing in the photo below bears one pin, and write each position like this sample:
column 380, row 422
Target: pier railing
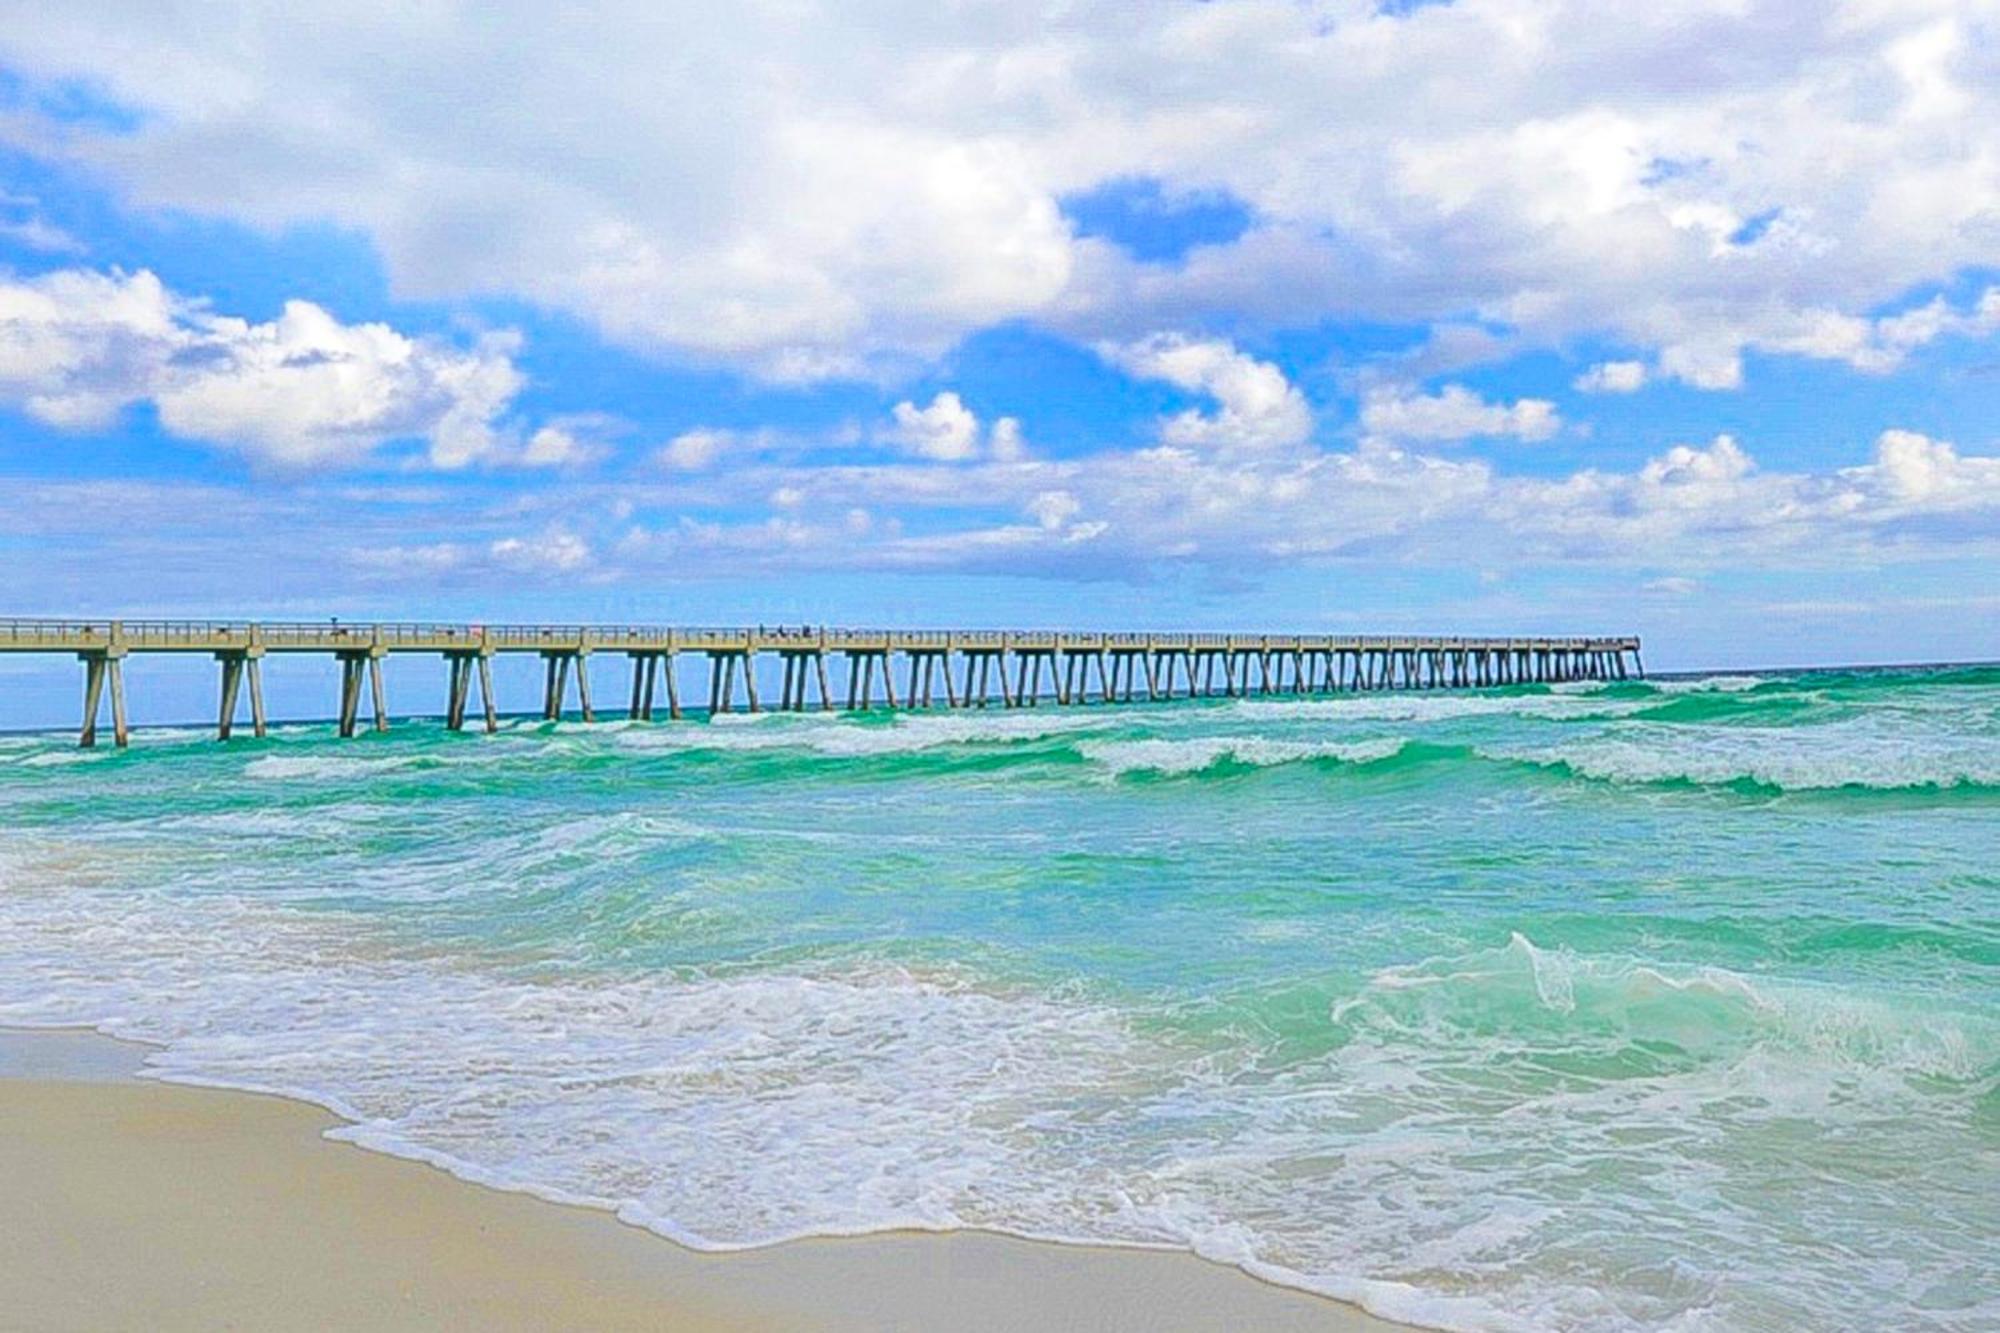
column 1043, row 664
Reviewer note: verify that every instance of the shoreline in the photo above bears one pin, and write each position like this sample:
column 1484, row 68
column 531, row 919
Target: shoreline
column 138, row 1203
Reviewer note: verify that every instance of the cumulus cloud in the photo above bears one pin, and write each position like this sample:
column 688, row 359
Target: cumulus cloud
column 1612, row 377
column 77, row 347
column 1912, row 469
column 1257, row 408
column 823, row 191
column 1454, row 413
column 947, row 431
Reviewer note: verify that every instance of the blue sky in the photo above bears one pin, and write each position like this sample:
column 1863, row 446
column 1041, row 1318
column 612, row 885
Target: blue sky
column 1470, row 317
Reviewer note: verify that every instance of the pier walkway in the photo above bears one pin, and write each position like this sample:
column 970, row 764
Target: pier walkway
column 947, row 668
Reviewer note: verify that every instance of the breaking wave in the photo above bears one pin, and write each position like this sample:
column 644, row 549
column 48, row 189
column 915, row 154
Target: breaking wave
column 1222, row 753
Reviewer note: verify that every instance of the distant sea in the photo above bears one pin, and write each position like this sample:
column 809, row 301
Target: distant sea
column 1645, row 1005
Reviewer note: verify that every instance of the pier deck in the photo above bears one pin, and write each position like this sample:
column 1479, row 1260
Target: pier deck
column 994, row 668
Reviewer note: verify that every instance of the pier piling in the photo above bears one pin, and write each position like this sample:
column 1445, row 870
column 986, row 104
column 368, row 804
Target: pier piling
column 583, row 686
column 94, row 665
column 232, row 680
column 350, row 690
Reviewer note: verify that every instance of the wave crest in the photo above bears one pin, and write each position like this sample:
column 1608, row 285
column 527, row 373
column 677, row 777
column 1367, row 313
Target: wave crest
column 1615, row 1016
column 1796, row 760
column 1214, row 753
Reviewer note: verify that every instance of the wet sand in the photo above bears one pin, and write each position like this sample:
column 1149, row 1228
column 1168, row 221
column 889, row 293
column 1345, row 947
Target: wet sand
column 132, row 1204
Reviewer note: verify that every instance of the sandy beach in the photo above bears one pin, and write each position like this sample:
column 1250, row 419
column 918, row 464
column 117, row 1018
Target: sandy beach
column 138, row 1205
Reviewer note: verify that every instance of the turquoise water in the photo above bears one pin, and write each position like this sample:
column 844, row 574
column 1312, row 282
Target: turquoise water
column 1630, row 1006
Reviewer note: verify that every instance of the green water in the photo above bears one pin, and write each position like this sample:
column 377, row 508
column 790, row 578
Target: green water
column 1646, row 1005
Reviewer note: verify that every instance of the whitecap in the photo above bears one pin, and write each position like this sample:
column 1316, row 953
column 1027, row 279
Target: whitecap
column 1393, row 706
column 1711, row 684
column 1807, row 758
column 1198, row 754
column 323, row 768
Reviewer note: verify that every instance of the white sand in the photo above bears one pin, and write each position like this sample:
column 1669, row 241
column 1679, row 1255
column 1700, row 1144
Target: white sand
column 136, row 1205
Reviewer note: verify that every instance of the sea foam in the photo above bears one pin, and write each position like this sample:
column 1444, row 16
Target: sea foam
column 1206, row 753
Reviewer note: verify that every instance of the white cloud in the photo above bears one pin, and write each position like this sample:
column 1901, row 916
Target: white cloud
column 1914, row 470
column 1454, row 413
column 1684, row 465
column 22, row 223
column 1716, row 363
column 946, row 430
column 1707, row 511
column 1006, row 441
column 399, row 562
column 1612, row 377
column 1697, row 506
column 816, row 189
column 695, row 450
column 555, row 550
column 1052, row 509
column 569, row 443
column 1257, row 408
column 77, row 347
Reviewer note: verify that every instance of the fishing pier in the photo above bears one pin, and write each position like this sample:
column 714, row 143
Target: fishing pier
column 939, row 668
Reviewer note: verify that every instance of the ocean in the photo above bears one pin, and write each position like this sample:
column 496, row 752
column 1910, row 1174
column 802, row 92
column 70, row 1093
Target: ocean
column 1671, row 1004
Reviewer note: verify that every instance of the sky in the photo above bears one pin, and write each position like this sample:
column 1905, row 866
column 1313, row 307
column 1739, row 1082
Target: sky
column 1492, row 316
